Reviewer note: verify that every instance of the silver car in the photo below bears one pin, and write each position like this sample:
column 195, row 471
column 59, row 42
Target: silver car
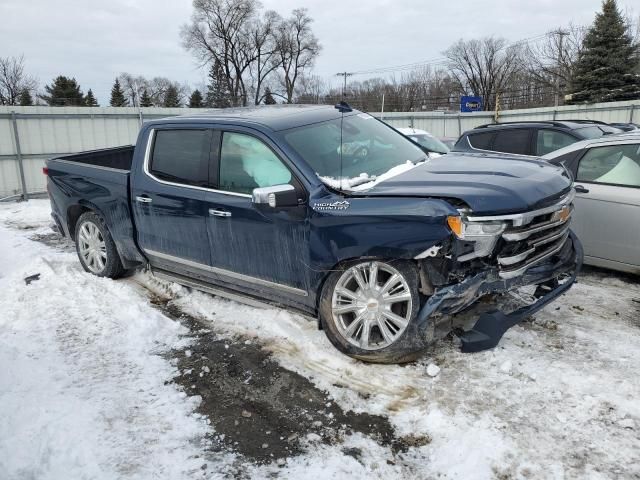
column 607, row 203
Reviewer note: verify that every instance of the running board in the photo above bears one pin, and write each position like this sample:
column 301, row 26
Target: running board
column 220, row 292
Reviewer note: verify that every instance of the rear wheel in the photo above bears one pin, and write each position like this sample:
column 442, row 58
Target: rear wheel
column 368, row 311
column 95, row 247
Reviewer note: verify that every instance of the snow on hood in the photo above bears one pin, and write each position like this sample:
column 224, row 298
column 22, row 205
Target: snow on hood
column 365, row 181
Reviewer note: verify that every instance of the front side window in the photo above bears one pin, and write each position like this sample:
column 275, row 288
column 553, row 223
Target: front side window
column 247, row 163
column 618, row 165
column 181, row 156
column 369, row 148
column 513, row 140
column 550, row 140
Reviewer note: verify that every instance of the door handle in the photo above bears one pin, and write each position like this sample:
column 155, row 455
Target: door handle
column 214, row 212
column 581, row 189
column 144, row 199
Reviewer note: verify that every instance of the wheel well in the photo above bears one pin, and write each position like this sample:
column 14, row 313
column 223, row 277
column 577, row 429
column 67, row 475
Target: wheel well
column 73, row 214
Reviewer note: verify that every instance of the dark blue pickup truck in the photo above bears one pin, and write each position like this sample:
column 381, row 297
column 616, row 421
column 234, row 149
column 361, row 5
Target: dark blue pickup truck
column 329, row 212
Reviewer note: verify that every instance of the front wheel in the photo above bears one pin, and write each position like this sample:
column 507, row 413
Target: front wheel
column 95, row 247
column 368, row 311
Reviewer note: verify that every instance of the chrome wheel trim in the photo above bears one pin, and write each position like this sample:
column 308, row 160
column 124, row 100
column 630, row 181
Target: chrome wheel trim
column 92, row 247
column 371, row 305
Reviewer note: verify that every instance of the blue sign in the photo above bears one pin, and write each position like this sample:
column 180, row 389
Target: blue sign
column 470, row 104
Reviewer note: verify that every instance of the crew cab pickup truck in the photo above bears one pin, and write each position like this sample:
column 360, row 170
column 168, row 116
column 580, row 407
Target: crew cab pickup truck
column 389, row 249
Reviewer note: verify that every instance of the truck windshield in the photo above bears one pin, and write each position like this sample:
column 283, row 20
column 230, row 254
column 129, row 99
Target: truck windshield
column 369, row 148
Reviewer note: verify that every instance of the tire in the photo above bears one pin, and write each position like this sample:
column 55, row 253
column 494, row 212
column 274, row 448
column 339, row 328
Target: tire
column 345, row 326
column 95, row 248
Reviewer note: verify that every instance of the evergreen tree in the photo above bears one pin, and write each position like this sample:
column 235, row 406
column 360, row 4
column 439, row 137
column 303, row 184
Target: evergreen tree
column 218, row 94
column 268, row 97
column 171, row 98
column 606, row 68
column 63, row 91
column 90, row 100
column 145, row 99
column 25, row 98
column 195, row 101
column 117, row 96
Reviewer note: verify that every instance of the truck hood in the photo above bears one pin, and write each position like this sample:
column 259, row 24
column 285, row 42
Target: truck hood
column 487, row 184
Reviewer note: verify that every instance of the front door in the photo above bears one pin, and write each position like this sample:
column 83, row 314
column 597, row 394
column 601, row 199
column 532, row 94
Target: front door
column 259, row 247
column 607, row 204
column 168, row 198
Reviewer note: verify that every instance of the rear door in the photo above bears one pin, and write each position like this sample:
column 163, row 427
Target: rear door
column 607, row 204
column 168, row 198
column 256, row 246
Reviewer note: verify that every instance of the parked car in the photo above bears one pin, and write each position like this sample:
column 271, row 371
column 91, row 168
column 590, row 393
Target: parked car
column 626, row 127
column 530, row 138
column 424, row 139
column 449, row 141
column 252, row 204
column 607, row 204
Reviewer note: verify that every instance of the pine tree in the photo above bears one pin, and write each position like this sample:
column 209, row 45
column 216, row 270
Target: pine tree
column 171, row 99
column 63, row 91
column 90, row 100
column 25, row 98
column 606, row 68
column 117, row 96
column 218, row 94
column 268, row 97
column 195, row 100
column 145, row 99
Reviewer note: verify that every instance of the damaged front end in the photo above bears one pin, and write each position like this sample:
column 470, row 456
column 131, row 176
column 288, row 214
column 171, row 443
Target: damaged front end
column 496, row 271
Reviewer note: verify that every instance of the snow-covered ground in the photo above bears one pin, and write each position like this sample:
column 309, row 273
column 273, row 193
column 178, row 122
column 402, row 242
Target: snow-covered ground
column 86, row 385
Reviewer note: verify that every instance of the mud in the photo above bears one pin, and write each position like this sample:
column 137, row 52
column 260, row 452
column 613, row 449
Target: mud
column 260, row 409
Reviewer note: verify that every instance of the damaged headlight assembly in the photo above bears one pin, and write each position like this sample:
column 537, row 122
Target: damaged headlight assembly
column 484, row 235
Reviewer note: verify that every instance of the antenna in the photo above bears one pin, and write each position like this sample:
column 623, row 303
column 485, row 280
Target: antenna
column 343, row 107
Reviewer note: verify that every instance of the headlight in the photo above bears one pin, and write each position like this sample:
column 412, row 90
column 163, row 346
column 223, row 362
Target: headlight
column 472, row 230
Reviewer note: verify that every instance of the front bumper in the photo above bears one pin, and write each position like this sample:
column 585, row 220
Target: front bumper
column 490, row 326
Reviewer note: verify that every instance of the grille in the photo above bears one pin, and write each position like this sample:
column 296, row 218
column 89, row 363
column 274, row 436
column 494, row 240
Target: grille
column 532, row 237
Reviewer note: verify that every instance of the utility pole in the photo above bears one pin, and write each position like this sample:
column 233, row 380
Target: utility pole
column 561, row 34
column 344, row 86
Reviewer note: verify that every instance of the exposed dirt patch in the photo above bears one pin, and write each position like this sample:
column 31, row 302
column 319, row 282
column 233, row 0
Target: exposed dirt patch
column 54, row 240
column 260, row 409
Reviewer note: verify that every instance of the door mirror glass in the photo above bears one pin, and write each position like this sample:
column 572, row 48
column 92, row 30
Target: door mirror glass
column 276, row 196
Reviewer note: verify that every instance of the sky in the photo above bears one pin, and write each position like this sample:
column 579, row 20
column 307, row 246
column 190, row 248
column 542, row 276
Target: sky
column 94, row 41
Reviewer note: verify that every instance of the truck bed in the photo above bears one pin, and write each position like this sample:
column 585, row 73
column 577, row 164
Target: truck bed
column 118, row 157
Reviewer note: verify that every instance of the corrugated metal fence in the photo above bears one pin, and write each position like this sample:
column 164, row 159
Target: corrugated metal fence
column 29, row 135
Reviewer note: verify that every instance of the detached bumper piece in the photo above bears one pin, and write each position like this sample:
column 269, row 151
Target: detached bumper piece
column 565, row 263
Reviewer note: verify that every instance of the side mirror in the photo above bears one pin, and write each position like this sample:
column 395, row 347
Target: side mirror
column 276, row 196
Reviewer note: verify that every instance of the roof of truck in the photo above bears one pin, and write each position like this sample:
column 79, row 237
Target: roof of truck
column 274, row 117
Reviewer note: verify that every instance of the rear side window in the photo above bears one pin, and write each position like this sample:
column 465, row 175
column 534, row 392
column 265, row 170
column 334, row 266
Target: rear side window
column 481, row 140
column 548, row 141
column 181, row 156
column 590, row 132
column 513, row 140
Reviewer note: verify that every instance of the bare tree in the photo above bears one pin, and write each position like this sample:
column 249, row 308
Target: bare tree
column 550, row 62
column 310, row 89
column 484, row 67
column 221, row 30
column 14, row 80
column 157, row 87
column 263, row 40
column 298, row 48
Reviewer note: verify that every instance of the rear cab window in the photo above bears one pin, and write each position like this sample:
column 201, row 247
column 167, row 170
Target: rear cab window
column 181, row 156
